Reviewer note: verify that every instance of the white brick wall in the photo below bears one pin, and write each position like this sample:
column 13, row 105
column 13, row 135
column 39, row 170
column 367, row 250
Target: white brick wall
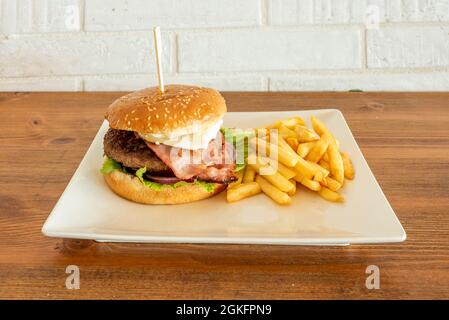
column 250, row 45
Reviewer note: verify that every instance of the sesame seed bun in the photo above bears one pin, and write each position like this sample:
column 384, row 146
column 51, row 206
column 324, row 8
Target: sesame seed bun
column 129, row 187
column 180, row 109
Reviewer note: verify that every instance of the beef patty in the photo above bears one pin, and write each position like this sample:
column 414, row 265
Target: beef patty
column 131, row 151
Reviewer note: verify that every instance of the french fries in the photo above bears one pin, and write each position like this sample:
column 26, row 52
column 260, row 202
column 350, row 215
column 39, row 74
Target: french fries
column 284, row 155
column 324, row 164
column 293, row 143
column 236, row 183
column 348, row 167
column 292, row 122
column 293, row 191
column 285, row 132
column 284, row 145
column 319, row 176
column 312, row 185
column 278, row 163
column 273, row 192
column 317, row 168
column 249, row 175
column 305, row 169
column 336, row 163
column 304, row 148
column 330, row 195
column 242, row 191
column 273, row 176
column 319, row 149
column 332, row 184
column 289, row 123
column 285, row 171
column 304, row 134
column 321, row 129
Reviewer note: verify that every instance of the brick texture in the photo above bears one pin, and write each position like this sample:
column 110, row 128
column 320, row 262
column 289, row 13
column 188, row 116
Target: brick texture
column 142, row 14
column 269, row 50
column 251, row 45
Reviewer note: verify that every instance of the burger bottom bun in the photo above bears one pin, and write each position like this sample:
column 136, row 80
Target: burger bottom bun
column 130, row 187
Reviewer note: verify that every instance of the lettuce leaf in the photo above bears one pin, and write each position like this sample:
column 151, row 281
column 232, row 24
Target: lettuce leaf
column 110, row 165
column 209, row 187
column 206, row 185
column 147, row 183
column 239, row 139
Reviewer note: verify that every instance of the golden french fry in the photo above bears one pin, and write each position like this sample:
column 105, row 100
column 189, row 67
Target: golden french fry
column 304, row 134
column 320, row 128
column 292, row 122
column 310, row 184
column 293, row 143
column 249, row 174
column 293, row 191
column 273, row 192
column 283, row 144
column 319, row 149
column 332, row 184
column 285, row 132
column 305, row 169
column 238, row 181
column 348, row 167
column 274, row 125
column 326, row 157
column 336, row 163
column 285, row 156
column 319, row 176
column 280, row 182
column 324, row 164
column 304, row 148
column 317, row 168
column 285, row 171
column 275, row 178
column 242, row 191
column 330, row 195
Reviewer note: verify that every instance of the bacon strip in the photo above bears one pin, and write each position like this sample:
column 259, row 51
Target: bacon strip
column 216, row 163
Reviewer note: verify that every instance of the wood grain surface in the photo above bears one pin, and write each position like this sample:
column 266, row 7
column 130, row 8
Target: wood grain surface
column 404, row 136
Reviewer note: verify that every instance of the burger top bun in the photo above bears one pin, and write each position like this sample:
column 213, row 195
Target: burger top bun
column 179, row 110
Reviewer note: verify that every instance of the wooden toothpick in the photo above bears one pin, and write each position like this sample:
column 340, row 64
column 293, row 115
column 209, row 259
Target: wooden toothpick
column 158, row 49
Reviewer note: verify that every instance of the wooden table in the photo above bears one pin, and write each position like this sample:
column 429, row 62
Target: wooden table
column 404, row 136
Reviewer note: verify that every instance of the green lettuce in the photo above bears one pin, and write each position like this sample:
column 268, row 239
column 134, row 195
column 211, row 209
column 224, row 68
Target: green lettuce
column 147, row 183
column 110, row 165
column 239, row 139
column 210, row 187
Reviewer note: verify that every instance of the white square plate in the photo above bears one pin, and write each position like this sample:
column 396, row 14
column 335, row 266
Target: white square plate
column 88, row 209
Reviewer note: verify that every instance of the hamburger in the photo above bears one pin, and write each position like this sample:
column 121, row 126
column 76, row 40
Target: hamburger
column 167, row 147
